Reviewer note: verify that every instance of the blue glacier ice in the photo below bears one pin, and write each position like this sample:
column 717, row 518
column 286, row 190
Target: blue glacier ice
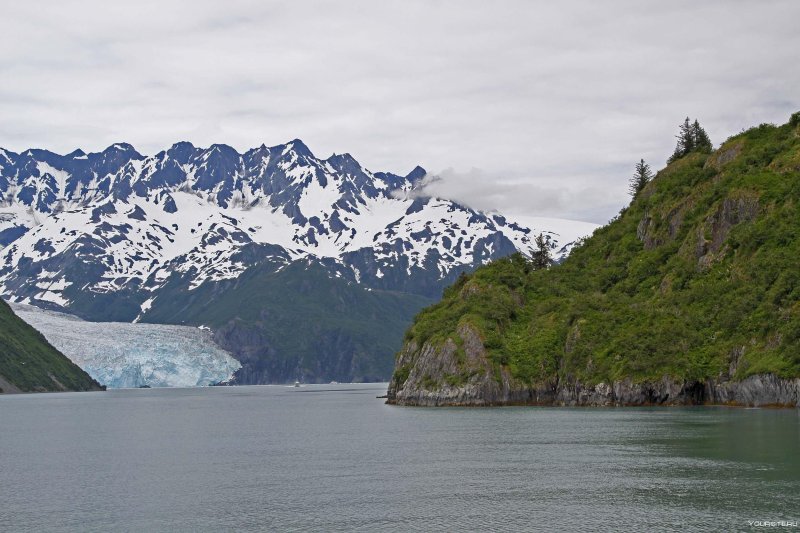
column 120, row 354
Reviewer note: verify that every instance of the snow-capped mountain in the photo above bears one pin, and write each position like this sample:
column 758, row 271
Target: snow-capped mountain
column 130, row 222
column 117, row 235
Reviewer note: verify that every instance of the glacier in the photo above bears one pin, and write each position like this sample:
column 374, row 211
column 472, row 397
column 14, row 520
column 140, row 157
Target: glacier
column 122, row 355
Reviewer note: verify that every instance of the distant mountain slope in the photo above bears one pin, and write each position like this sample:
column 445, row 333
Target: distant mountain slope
column 118, row 236
column 28, row 363
column 691, row 295
column 298, row 323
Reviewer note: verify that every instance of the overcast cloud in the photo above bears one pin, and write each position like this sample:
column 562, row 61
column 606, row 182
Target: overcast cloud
column 554, row 102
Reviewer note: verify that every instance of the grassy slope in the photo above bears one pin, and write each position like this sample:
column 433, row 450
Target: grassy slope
column 709, row 286
column 28, row 361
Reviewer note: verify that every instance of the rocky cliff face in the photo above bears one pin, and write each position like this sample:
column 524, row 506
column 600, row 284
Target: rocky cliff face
column 431, row 376
column 424, row 388
column 464, row 375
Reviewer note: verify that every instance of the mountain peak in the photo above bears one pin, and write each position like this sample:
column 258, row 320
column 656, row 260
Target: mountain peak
column 222, row 149
column 182, row 151
column 182, row 145
column 417, row 174
column 121, row 151
column 121, row 147
column 344, row 162
column 299, row 147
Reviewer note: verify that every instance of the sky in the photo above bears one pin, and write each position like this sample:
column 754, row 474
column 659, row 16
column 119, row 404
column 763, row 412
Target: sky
column 536, row 108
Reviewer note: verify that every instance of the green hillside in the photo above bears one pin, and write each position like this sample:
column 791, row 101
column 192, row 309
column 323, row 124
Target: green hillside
column 28, row 363
column 297, row 322
column 698, row 279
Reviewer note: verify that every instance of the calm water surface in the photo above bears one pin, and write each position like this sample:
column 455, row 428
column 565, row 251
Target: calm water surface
column 334, row 457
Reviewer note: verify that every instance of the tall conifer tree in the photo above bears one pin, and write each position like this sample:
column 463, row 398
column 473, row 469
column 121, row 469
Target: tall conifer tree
column 641, row 176
column 540, row 258
column 702, row 142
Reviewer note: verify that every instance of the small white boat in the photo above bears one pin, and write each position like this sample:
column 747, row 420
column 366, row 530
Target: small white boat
column 296, row 383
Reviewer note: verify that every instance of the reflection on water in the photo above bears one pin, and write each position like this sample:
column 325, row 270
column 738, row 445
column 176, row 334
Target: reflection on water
column 334, row 457
column 754, row 438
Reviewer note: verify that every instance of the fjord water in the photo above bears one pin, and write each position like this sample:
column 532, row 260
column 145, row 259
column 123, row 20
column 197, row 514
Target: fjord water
column 333, row 457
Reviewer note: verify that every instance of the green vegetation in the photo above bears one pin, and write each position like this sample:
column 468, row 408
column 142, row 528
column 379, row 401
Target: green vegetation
column 698, row 278
column 29, row 363
column 296, row 323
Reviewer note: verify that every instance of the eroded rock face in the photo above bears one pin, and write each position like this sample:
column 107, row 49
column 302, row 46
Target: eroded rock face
column 759, row 390
column 731, row 212
column 755, row 391
column 429, row 383
column 647, row 229
column 447, row 375
column 724, row 156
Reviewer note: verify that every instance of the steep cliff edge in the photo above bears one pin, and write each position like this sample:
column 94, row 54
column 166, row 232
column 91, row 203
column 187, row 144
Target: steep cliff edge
column 28, row 363
column 690, row 296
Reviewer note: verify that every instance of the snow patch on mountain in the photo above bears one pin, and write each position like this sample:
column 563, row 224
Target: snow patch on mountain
column 563, row 231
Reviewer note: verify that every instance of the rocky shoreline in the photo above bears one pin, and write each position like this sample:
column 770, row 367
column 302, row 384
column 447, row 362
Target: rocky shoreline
column 427, row 384
column 755, row 391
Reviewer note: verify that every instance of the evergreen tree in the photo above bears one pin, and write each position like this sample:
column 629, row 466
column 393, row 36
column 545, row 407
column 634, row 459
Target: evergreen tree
column 702, row 142
column 540, row 258
column 794, row 120
column 691, row 138
column 685, row 141
column 641, row 176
